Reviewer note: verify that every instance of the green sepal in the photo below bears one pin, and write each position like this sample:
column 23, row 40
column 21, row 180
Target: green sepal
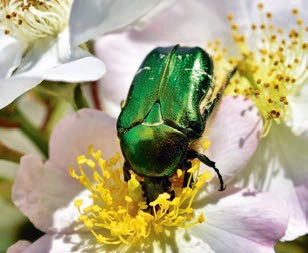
column 65, row 91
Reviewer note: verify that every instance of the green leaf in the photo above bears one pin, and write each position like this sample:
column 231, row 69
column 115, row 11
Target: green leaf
column 80, row 101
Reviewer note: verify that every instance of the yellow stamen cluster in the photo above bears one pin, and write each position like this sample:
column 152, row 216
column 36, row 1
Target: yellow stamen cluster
column 273, row 65
column 119, row 212
column 33, row 19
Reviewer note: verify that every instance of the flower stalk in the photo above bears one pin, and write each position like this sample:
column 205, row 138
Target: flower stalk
column 37, row 137
column 13, row 117
column 79, row 101
column 9, row 154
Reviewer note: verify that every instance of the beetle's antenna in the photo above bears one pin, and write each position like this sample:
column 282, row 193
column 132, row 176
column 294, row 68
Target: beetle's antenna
column 191, row 154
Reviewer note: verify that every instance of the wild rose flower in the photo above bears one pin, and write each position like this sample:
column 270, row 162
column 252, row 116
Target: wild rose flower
column 40, row 40
column 274, row 75
column 253, row 39
column 56, row 203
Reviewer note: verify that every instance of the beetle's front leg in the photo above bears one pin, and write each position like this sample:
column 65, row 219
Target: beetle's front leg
column 191, row 154
column 126, row 169
column 186, row 165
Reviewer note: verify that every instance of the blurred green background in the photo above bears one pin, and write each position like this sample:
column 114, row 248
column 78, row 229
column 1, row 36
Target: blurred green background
column 300, row 245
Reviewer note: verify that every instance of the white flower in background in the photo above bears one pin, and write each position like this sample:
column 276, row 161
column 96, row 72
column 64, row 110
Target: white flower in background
column 234, row 220
column 280, row 163
column 39, row 39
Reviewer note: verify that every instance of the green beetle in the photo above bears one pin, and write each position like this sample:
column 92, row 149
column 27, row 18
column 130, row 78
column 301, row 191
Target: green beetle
column 166, row 109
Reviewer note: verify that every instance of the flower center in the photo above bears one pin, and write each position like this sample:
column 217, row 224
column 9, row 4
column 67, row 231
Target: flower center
column 33, row 19
column 272, row 67
column 119, row 212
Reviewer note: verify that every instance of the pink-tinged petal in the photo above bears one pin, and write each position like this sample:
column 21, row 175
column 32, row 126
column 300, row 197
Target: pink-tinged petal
column 179, row 241
column 234, row 130
column 45, row 195
column 74, row 134
column 280, row 166
column 195, row 22
column 242, row 221
column 175, row 240
column 123, row 56
column 62, row 243
column 19, row 247
column 90, row 19
column 188, row 243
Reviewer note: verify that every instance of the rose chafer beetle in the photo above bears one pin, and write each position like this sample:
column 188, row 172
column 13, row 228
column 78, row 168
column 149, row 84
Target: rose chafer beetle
column 168, row 104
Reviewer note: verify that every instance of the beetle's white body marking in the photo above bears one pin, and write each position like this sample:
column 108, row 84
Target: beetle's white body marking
column 145, row 68
column 199, row 72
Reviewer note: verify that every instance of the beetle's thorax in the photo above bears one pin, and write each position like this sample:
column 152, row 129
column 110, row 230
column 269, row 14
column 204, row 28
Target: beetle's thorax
column 154, row 148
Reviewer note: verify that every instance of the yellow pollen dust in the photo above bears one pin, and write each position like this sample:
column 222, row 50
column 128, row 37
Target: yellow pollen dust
column 30, row 20
column 119, row 213
column 273, row 65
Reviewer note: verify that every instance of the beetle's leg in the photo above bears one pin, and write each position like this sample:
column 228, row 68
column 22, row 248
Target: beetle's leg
column 186, row 165
column 126, row 169
column 191, row 154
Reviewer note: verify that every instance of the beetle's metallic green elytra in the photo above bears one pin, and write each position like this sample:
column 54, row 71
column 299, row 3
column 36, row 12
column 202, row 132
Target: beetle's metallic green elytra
column 161, row 115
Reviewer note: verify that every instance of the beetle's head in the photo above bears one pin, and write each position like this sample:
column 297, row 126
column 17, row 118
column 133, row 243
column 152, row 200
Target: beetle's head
column 154, row 150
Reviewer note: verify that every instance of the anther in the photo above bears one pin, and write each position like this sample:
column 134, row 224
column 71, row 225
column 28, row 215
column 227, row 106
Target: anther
column 260, row 6
column 269, row 15
column 230, row 17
